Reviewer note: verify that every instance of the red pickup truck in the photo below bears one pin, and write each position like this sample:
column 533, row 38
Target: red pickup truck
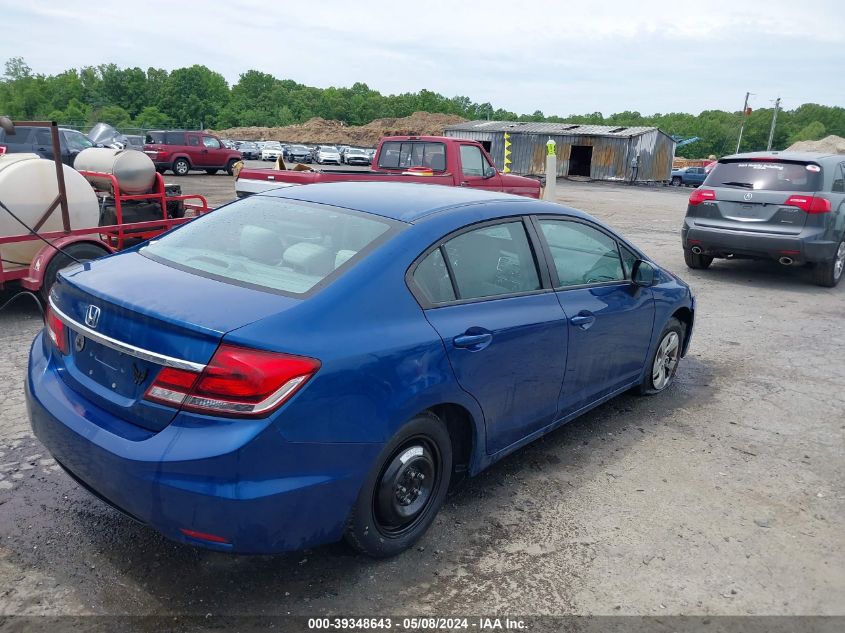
column 436, row 160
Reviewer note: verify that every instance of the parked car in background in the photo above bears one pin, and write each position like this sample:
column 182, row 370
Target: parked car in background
column 354, row 156
column 250, row 150
column 271, row 150
column 688, row 176
column 783, row 206
column 327, row 154
column 298, row 154
column 37, row 140
column 182, row 151
column 326, row 362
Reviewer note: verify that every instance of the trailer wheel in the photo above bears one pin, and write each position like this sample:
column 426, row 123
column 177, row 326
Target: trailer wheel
column 84, row 252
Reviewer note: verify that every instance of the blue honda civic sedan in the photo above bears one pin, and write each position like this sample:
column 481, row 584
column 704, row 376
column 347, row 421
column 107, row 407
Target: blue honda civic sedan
column 325, row 361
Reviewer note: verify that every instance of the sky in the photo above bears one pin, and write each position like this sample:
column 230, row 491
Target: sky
column 560, row 57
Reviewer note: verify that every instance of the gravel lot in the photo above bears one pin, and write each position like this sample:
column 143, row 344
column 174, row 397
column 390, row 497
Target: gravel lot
column 723, row 495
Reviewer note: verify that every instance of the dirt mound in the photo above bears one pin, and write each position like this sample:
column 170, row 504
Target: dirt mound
column 319, row 130
column 829, row 145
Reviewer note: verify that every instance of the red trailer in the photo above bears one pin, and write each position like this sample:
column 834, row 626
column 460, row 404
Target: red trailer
column 61, row 248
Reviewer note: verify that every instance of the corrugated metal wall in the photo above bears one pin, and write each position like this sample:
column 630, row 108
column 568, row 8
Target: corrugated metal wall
column 611, row 160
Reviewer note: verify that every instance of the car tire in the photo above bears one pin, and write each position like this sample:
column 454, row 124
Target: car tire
column 230, row 166
column 676, row 181
column 404, row 490
column 84, row 252
column 181, row 167
column 830, row 273
column 211, row 172
column 663, row 362
column 697, row 262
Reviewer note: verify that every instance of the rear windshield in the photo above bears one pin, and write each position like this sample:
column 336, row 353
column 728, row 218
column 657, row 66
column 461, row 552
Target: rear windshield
column 272, row 244
column 766, row 175
column 405, row 154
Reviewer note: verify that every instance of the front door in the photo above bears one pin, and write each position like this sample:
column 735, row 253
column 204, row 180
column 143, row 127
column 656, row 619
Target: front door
column 610, row 318
column 476, row 170
column 505, row 335
column 215, row 153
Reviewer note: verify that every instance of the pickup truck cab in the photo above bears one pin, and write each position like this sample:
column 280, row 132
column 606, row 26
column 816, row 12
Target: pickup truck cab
column 435, row 160
column 181, row 152
column 688, row 176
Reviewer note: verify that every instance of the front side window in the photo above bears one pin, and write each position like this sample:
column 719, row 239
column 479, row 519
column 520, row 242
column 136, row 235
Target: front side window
column 494, row 260
column 582, row 254
column 271, row 244
column 472, row 161
column 210, row 142
column 77, row 141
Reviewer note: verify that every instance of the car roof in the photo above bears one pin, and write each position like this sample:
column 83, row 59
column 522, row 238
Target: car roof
column 786, row 155
column 409, row 202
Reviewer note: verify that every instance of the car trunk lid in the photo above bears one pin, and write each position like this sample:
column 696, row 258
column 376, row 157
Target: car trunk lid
column 125, row 326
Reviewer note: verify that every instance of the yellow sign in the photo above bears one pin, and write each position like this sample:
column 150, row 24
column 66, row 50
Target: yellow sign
column 507, row 168
column 550, row 147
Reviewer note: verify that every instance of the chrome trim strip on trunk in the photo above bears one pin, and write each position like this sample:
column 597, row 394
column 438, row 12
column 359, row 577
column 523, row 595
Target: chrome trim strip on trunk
column 126, row 348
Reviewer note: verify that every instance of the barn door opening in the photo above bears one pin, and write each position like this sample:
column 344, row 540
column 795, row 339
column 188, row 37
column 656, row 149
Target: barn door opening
column 580, row 160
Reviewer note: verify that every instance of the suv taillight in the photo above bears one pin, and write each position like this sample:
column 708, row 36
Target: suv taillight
column 809, row 204
column 56, row 330
column 2, row 149
column 238, row 382
column 700, row 195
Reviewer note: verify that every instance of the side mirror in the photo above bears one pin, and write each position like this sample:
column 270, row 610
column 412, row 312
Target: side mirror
column 489, row 171
column 643, row 274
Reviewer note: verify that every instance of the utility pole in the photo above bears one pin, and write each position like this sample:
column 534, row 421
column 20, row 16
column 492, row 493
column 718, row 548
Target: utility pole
column 774, row 120
column 744, row 118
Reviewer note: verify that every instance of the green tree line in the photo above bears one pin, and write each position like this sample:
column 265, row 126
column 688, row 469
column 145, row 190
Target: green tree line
column 197, row 97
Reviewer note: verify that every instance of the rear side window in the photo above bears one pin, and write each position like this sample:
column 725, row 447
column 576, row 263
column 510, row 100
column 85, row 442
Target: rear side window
column 491, row 261
column 406, row 154
column 154, row 138
column 174, row 138
column 838, row 184
column 582, row 254
column 768, row 175
column 20, row 136
column 432, row 277
column 272, row 244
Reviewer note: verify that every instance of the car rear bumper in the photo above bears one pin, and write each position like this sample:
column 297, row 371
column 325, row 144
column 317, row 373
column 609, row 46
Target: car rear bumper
column 238, row 480
column 808, row 246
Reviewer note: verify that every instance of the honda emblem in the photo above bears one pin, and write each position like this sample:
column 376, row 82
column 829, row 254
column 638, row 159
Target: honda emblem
column 748, row 196
column 92, row 316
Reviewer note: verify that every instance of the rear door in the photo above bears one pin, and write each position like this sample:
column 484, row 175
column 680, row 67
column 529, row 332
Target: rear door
column 610, row 319
column 503, row 329
column 476, row 170
column 758, row 196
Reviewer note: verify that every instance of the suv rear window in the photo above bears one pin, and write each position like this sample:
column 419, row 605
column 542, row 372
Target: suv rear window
column 405, row 154
column 273, row 244
column 766, row 175
column 154, row 138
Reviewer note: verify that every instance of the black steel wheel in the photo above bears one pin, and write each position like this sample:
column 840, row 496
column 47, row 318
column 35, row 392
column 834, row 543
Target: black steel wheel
column 404, row 490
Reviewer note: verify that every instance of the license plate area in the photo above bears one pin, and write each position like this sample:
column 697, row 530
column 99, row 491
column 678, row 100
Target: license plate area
column 125, row 375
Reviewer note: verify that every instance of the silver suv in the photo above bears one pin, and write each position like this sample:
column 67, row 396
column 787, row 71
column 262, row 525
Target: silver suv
column 785, row 206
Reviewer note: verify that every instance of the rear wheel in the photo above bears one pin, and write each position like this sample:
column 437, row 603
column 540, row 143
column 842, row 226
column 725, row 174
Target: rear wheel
column 697, row 261
column 404, row 490
column 230, row 166
column 181, row 167
column 676, row 181
column 664, row 362
column 829, row 274
column 82, row 252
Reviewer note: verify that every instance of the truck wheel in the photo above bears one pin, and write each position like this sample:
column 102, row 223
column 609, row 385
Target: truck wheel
column 181, row 167
column 830, row 273
column 230, row 166
column 676, row 181
column 697, row 261
column 84, row 252
column 404, row 490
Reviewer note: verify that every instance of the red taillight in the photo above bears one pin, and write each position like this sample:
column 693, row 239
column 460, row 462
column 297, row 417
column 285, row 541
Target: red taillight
column 236, row 382
column 56, row 330
column 809, row 204
column 2, row 149
column 700, row 195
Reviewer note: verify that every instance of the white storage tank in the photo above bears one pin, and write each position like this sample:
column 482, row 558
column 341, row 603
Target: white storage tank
column 134, row 170
column 28, row 187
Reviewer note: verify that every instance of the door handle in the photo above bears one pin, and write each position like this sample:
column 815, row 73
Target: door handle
column 473, row 342
column 464, row 184
column 583, row 320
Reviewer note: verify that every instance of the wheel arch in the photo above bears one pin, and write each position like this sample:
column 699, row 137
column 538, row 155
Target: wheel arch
column 463, row 433
column 687, row 317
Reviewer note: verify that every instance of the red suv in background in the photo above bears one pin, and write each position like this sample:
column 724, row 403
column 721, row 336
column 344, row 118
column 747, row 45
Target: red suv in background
column 181, row 151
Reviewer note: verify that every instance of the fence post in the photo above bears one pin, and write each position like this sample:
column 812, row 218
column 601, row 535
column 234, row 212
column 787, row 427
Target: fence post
column 551, row 171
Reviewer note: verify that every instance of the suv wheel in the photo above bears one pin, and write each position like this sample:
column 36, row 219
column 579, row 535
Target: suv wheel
column 181, row 167
column 230, row 166
column 697, row 261
column 830, row 273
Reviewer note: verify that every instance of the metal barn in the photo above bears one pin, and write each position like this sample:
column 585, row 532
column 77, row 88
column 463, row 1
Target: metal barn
column 600, row 152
